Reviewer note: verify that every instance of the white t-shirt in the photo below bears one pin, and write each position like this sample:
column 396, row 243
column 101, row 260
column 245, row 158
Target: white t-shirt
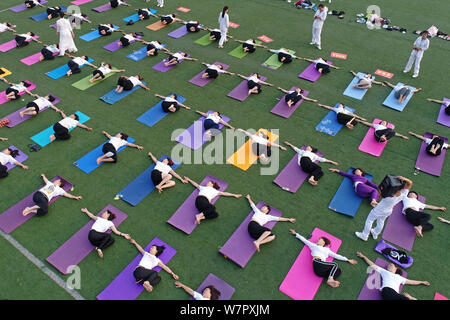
column 18, row 87
column 198, row 296
column 253, row 78
column 208, row 192
column 413, row 204
column 341, row 109
column 318, row 23
column 215, row 118
column 379, row 126
column 215, row 67
column 118, row 142
column 320, row 60
column 428, row 141
column 129, row 37
column 104, row 69
column 52, row 48
column 135, row 81
column 259, row 140
column 260, row 217
column 366, row 77
column 156, row 45
column 385, row 206
column 318, row 251
column 110, row 29
column 304, row 153
column 68, row 123
column 51, row 191
column 79, row 61
column 170, row 99
column 26, row 36
column 178, row 55
column 6, row 158
column 42, row 103
column 390, row 280
column 3, row 27
column 149, row 261
column 162, row 167
column 102, row 225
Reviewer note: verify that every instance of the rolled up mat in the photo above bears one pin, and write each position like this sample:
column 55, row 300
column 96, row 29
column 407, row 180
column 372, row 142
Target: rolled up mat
column 239, row 248
column 398, row 230
column 13, row 218
column 178, row 33
column 35, row 58
column 12, row 44
column 310, row 73
column 156, row 26
column 371, row 289
column 124, row 286
column 139, row 188
column 201, row 82
column 239, row 52
column 5, row 73
column 162, row 68
column 301, row 283
column 93, row 35
column 273, row 62
column 184, row 218
column 156, row 113
column 139, row 54
column 62, row 71
column 84, row 83
column 23, row 7
column 103, row 8
column 112, row 96
column 283, row 110
column 204, row 41
column 194, row 136
column 241, row 91
column 392, row 102
column 88, row 162
column 383, row 245
column 430, row 164
column 370, row 145
column 439, row 296
column 329, row 124
column 135, row 17
column 114, row 46
column 20, row 158
column 443, row 118
column 292, row 176
column 3, row 93
column 354, row 92
column 43, row 15
column 226, row 291
column 80, row 2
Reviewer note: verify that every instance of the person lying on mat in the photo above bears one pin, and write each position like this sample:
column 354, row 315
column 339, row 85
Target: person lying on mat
column 213, row 70
column 37, row 105
column 365, row 81
column 53, row 12
column 211, row 123
column 170, row 103
column 363, row 187
column 162, row 173
column 382, row 133
column 49, row 51
column 250, row 44
column 321, row 65
column 33, row 3
column 6, row 26
column 284, row 56
column 153, row 47
column 175, row 58
column 306, row 161
column 344, row 116
column 168, row 19
column 446, row 103
column 403, row 92
column 392, row 280
column 116, row 3
column 98, row 235
column 110, row 148
column 192, row 25
column 62, row 127
column 107, row 29
column 128, row 83
column 435, row 144
column 8, row 156
column 261, row 146
column 102, row 71
column 214, row 34
column 78, row 18
column 13, row 92
column 209, row 293
column 203, row 201
column 254, row 83
column 294, row 96
column 76, row 63
column 23, row 39
column 43, row 196
column 145, row 14
column 320, row 251
column 144, row 273
column 128, row 38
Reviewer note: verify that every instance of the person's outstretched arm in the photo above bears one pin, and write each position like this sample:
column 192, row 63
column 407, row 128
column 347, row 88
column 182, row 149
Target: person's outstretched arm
column 3, row 139
column 325, row 106
column 159, row 96
column 138, row 247
column 266, row 83
column 107, row 134
column 89, row 214
column 443, row 220
column 418, row 136
column 241, row 76
column 226, row 124
column 429, row 206
column 309, row 99
column 84, row 126
column 203, row 114
column 129, row 144
column 20, row 164
column 302, row 239
column 118, row 70
column 408, row 183
column 188, row 290
column 195, row 184
column 228, row 194
column 152, row 157
column 389, row 84
column 435, row 100
column 71, row 196
column 416, row 282
column 44, row 178
column 116, row 231
column 292, row 146
column 379, row 83
column 244, row 132
column 144, row 86
column 401, row 136
column 354, row 73
column 283, row 90
column 167, row 269
column 277, row 146
column 369, row 262
column 184, row 106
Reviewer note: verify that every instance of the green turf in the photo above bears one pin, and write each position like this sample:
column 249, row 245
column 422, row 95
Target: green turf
column 273, row 61
column 198, row 253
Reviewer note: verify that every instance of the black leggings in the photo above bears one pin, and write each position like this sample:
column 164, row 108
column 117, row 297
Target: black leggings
column 323, row 67
column 114, row 3
column 261, row 149
column 215, row 34
column 126, row 84
column 167, row 104
column 150, row 47
column 288, row 58
column 53, row 12
column 204, row 206
column 251, row 84
column 61, row 133
column 417, row 218
column 250, row 47
column 141, row 275
column 168, row 20
column 390, row 294
column 255, row 230
column 312, row 168
column 326, row 269
column 100, row 240
column 32, row 104
column 42, row 202
column 16, row 93
column 213, row 74
column 388, row 133
column 124, row 41
column 144, row 14
column 30, row 3
column 447, row 110
column 47, row 54
column 74, row 67
column 343, row 118
column 294, row 97
column 108, row 147
column 3, row 171
column 433, row 144
column 21, row 41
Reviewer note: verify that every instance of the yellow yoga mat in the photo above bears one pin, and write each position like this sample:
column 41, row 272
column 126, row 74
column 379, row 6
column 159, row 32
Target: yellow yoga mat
column 244, row 157
column 156, row 26
column 6, row 72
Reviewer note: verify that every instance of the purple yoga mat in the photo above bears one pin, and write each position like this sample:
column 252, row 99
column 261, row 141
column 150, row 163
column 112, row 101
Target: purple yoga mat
column 283, row 110
column 124, row 286
column 35, row 58
column 15, row 118
column 241, row 91
column 201, row 82
column 370, row 291
column 22, row 7
column 4, row 47
column 13, row 218
column 184, row 218
column 443, row 118
column 103, row 8
column 194, row 136
column 3, row 93
column 80, row 2
column 178, row 33
column 74, row 250
column 310, row 73
column 114, row 47
column 292, row 176
column 226, row 291
column 398, row 230
column 430, row 164
column 384, row 245
column 162, row 68
column 20, row 158
column 239, row 248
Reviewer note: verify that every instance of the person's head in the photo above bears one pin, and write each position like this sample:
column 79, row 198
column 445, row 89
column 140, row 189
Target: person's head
column 59, row 183
column 299, row 90
column 62, row 14
column 31, row 33
column 74, row 116
column 140, row 78
column 256, row 75
column 56, row 45
column 168, row 161
column 157, row 250
column 211, row 293
column 321, row 7
column 25, row 84
column 359, row 172
column 50, row 98
column 184, row 54
column 323, row 242
column 434, row 136
column 424, row 34
column 213, row 184
column 216, row 113
column 368, row 75
column 220, row 66
column 12, row 152
column 413, row 195
column 108, row 65
column 85, row 58
column 108, row 215
column 84, row 15
column 173, row 96
column 265, row 209
column 123, row 136
column 262, row 134
column 311, row 149
column 225, row 10
column 392, row 268
column 384, row 123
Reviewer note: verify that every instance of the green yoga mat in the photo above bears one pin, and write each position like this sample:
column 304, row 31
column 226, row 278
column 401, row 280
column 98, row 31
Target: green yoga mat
column 273, row 60
column 84, row 83
column 204, row 41
column 239, row 52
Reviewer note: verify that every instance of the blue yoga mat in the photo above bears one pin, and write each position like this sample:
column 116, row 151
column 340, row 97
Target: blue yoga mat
column 139, row 54
column 88, row 163
column 153, row 115
column 141, row 187
column 135, row 17
column 112, row 96
column 43, row 137
column 329, row 124
column 392, row 102
column 355, row 93
column 62, row 71
column 345, row 200
column 43, row 15
column 93, row 35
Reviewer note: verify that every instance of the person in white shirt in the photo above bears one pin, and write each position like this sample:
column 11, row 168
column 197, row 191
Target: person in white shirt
column 254, row 83
column 420, row 45
column 6, row 26
column 261, row 146
column 365, row 81
column 153, row 47
column 66, row 35
column 127, row 38
column 49, row 51
column 213, row 70
column 292, row 97
column 24, row 39
column 145, row 14
column 15, row 89
column 382, row 133
column 37, row 105
column 128, row 83
column 54, row 12
column 8, row 156
column 76, row 63
column 168, row 19
column 319, row 18
column 160, row 3
column 177, row 57
column 99, row 236
column 215, row 34
column 162, row 174
column 446, row 103
column 171, row 103
column 107, row 29
column 321, row 65
column 116, row 3
column 78, row 18
column 224, row 24
column 209, row 293
column 192, row 26
column 402, row 92
column 256, row 229
column 33, row 3
column 435, row 144
column 211, row 123
column 344, row 116
column 383, row 210
column 203, row 201
column 104, row 69
column 306, row 161
column 43, row 196
column 110, row 148
column 62, row 127
column 250, row 44
column 391, row 281
column 284, row 55
column 320, row 252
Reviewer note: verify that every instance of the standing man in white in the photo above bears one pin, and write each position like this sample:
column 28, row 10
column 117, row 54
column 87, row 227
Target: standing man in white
column 224, row 24
column 66, row 35
column 319, row 18
column 420, row 45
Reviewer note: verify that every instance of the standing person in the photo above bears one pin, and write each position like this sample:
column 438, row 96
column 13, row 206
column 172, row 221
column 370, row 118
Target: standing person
column 66, row 35
column 420, row 45
column 224, row 24
column 319, row 18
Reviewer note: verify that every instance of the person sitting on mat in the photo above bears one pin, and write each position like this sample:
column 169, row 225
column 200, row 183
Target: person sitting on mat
column 49, row 52
column 43, row 196
column 111, row 148
column 382, row 133
column 62, row 127
column 33, row 3
column 254, row 83
column 107, row 29
column 102, row 71
column 446, row 103
column 24, row 39
column 363, row 187
column 213, row 70
column 76, row 63
column 435, row 144
column 144, row 273
column 53, row 12
column 168, row 19
column 145, row 14
column 344, row 116
column 203, row 201
column 37, row 105
column 116, row 3
column 211, row 123
column 403, row 92
column 6, row 26
column 170, row 103
column 209, row 293
column 175, row 58
column 7, row 156
column 321, row 65
column 392, row 280
column 320, row 251
column 365, row 81
column 13, row 92
column 162, row 173
column 250, row 44
column 128, row 83
column 284, row 56
column 294, row 96
column 153, row 47
column 261, row 146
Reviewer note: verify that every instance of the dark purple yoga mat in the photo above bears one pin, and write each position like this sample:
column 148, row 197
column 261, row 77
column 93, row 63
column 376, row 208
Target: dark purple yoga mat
column 13, row 218
column 383, row 245
column 443, row 118
column 15, row 118
column 22, row 7
column 103, row 8
column 201, row 82
column 283, row 110
column 241, row 91
column 184, row 218
column 124, row 286
column 114, row 47
column 310, row 73
column 239, row 248
column 178, row 33
column 430, row 164
column 162, row 68
column 74, row 250
column 226, row 291
column 20, row 158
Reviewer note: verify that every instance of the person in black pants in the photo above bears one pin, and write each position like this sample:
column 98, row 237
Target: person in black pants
column 382, row 133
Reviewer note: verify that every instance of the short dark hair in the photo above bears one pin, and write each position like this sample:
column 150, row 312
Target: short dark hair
column 215, row 185
column 62, row 14
column 26, row 84
column 14, row 153
column 399, row 272
column 320, row 5
column 123, row 136
column 62, row 183
column 76, row 117
column 215, row 294
column 362, row 171
column 51, row 98
column 417, row 195
column 32, row 34
column 326, row 240
column 170, row 161
column 112, row 216
column 159, row 250
column 314, row 150
column 86, row 57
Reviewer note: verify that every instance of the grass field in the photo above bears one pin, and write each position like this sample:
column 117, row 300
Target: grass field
column 198, row 253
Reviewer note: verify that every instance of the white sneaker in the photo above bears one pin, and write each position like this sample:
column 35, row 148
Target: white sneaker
column 373, row 235
column 361, row 236
column 405, row 71
column 318, row 47
column 312, row 43
column 415, row 75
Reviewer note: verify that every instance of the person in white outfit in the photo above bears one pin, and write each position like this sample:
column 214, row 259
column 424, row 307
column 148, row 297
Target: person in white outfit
column 224, row 24
column 420, row 45
column 319, row 18
column 66, row 35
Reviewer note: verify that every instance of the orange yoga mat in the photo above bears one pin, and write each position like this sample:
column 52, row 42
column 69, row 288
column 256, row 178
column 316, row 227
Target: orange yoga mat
column 156, row 26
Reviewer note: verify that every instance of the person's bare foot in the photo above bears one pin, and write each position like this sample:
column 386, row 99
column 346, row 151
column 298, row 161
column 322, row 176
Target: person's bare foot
column 147, row 286
column 26, row 212
column 312, row 181
column 166, row 64
column 333, row 283
column 418, row 231
column 52, row 137
column 256, row 245
column 410, row 297
column 197, row 219
column 159, row 189
column 21, row 114
column 99, row 161
column 100, row 253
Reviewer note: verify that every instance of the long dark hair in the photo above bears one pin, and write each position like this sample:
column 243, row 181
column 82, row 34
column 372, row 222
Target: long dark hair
column 223, row 11
column 215, row 294
column 13, row 153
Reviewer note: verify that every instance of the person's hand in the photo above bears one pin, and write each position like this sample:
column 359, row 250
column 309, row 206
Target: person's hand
column 292, row 231
column 4, row 139
column 126, row 236
column 186, row 178
column 89, row 129
column 175, row 276
column 359, row 254
column 240, row 130
column 85, row 210
column 42, row 175
column 292, row 220
column 238, row 195
column 139, row 147
column 443, row 208
column 335, row 163
column 426, row 283
column 150, row 154
column 351, row 261
column 188, row 108
column 132, row 241
column 315, row 100
column 248, row 197
column 184, row 181
column 25, row 167
column 287, row 143
column 177, row 284
column 283, row 148
column 78, row 198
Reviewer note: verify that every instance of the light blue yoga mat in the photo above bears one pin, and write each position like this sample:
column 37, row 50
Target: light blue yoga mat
column 93, row 35
column 135, row 17
column 392, row 102
column 112, row 96
column 355, row 93
column 43, row 15
column 62, row 71
column 141, row 187
column 88, row 163
column 43, row 137
column 345, row 200
column 329, row 124
column 139, row 54
column 153, row 115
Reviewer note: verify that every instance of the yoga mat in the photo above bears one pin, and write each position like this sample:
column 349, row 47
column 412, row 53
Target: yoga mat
column 329, row 124
column 370, row 145
column 77, row 247
column 239, row 248
column 310, row 73
column 162, row 68
column 398, row 230
column 93, row 35
column 226, row 291
column 139, row 54
column 156, row 26
column 12, row 44
column 135, row 17
column 43, row 137
column 194, row 136
column 383, row 245
column 301, row 283
column 355, row 93
column 183, row 9
column 103, row 8
column 15, row 118
column 439, row 296
column 3, row 93
column 241, row 91
column 204, row 41
column 156, row 113
column 430, row 164
column 201, row 82
column 22, row 7
column 239, row 52
column 371, row 291
column 283, row 110
column 112, row 96
column 273, row 62
column 13, row 218
column 443, row 118
column 392, row 102
column 43, row 15
column 35, row 58
column 113, row 46
column 178, row 33
column 88, row 162
column 124, row 286
column 20, row 158
column 141, row 187
column 5, row 73
column 62, row 71
column 184, row 218
column 80, row 2
column 383, row 73
column 244, row 157
column 84, row 83
column 338, row 55
column 292, row 176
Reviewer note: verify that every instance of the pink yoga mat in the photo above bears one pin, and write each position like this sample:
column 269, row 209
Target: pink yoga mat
column 35, row 58
column 201, row 82
column 301, row 283
column 283, row 110
column 4, row 47
column 370, row 145
column 162, row 68
column 80, row 2
column 3, row 93
column 443, row 118
column 103, row 8
column 310, row 73
column 430, row 164
column 439, row 296
column 241, row 91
